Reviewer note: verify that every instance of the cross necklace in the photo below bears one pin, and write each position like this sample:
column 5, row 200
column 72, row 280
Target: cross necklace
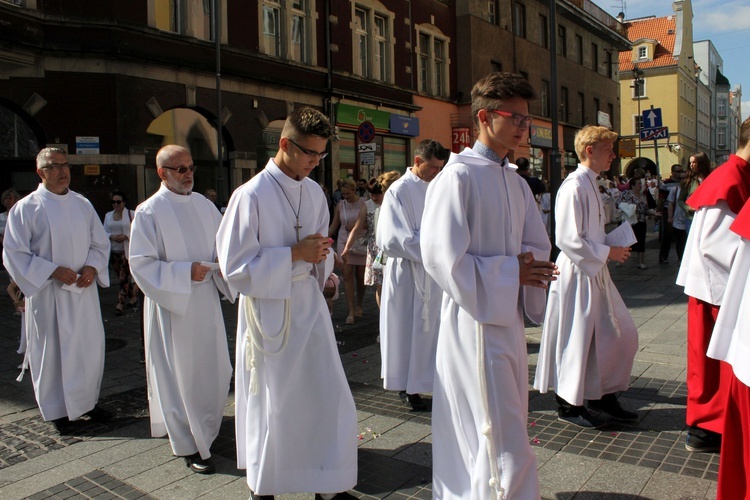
column 297, row 227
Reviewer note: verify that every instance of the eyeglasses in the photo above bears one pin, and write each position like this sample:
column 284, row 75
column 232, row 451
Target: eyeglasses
column 56, row 167
column 518, row 120
column 309, row 152
column 182, row 170
column 116, row 202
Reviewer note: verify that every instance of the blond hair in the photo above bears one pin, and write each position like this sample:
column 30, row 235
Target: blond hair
column 590, row 135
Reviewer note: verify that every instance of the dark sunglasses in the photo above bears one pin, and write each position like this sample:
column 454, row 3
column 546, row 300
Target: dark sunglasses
column 182, row 170
column 117, row 202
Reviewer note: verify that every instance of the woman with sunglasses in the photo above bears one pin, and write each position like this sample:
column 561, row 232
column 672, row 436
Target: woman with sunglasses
column 117, row 225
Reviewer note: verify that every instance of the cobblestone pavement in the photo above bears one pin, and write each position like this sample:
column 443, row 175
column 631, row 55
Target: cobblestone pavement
column 119, row 459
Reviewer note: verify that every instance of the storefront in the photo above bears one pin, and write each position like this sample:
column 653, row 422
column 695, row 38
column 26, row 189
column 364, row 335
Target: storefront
column 372, row 141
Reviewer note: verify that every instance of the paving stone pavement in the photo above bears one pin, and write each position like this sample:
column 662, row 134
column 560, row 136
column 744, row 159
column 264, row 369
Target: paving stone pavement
column 120, row 460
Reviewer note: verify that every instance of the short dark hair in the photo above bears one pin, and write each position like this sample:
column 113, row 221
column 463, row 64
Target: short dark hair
column 428, row 149
column 490, row 91
column 522, row 163
column 121, row 194
column 307, row 121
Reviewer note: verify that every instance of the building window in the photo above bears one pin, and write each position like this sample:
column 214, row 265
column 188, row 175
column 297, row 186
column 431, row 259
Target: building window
column 433, row 61
column 184, row 17
column 722, row 107
column 299, row 31
column 642, row 52
column 564, row 104
column 545, row 99
column 722, row 137
column 637, row 124
column 595, row 57
column 597, row 105
column 519, row 20
column 579, row 49
column 168, row 15
column 373, row 42
column 543, row 31
column 582, row 108
column 608, row 59
column 562, row 48
column 286, row 29
column 496, row 66
column 272, row 29
column 611, row 109
column 639, row 88
column 493, row 16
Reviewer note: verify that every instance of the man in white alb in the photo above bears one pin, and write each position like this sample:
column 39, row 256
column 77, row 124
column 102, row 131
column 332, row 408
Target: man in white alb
column 295, row 418
column 589, row 339
column 172, row 247
column 484, row 244
column 410, row 305
column 55, row 248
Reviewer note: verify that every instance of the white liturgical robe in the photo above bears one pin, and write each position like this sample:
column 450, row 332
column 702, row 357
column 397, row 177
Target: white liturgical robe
column 295, row 419
column 479, row 216
column 187, row 358
column 64, row 329
column 709, row 253
column 589, row 339
column 410, row 303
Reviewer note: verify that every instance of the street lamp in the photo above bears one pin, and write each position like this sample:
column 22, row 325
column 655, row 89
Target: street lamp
column 637, row 93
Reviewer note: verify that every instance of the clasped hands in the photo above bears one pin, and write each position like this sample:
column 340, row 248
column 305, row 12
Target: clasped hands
column 535, row 273
column 313, row 248
column 68, row 276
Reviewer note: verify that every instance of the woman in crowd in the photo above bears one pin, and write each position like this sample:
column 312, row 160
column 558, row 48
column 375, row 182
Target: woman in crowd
column 368, row 221
column 10, row 197
column 344, row 218
column 635, row 196
column 699, row 168
column 117, row 225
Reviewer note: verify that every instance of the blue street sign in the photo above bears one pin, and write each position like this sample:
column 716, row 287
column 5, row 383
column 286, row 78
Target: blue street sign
column 652, row 118
column 651, row 134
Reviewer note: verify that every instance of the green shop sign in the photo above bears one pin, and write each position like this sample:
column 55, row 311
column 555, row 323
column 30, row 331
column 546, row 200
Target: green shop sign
column 355, row 115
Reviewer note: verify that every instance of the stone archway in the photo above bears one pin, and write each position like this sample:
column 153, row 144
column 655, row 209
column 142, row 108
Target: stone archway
column 190, row 128
column 645, row 163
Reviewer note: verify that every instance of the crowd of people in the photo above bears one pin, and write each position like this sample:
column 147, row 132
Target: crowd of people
column 458, row 251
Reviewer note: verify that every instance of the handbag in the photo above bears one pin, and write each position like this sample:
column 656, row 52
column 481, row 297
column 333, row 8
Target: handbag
column 379, row 261
column 359, row 248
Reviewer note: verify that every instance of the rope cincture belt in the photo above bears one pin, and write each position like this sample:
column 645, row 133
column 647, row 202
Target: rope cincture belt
column 498, row 492
column 256, row 335
column 602, row 280
column 424, row 292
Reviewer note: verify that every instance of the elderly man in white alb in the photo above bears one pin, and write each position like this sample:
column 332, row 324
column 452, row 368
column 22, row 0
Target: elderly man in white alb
column 295, row 418
column 56, row 249
column 410, row 307
column 172, row 254
column 589, row 339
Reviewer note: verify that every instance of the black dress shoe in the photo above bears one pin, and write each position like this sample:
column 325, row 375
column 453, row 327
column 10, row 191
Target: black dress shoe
column 254, row 496
column 63, row 425
column 99, row 414
column 580, row 417
column 200, row 465
column 414, row 400
column 611, row 406
column 344, row 495
column 702, row 441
